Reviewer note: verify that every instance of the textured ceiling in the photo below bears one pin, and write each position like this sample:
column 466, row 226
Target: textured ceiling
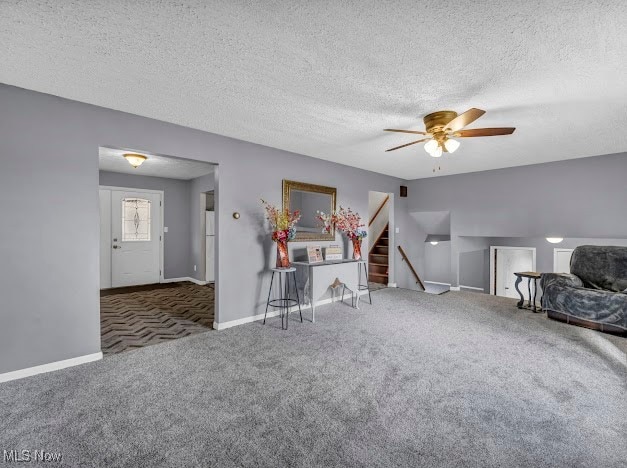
column 324, row 78
column 111, row 159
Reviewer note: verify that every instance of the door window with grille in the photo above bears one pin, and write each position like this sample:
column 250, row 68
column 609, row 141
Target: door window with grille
column 136, row 220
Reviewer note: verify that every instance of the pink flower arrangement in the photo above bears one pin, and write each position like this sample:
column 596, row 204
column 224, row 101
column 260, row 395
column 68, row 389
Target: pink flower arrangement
column 282, row 221
column 344, row 219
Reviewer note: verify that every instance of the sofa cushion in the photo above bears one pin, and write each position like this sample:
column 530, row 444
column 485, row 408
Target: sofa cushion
column 593, row 305
column 601, row 267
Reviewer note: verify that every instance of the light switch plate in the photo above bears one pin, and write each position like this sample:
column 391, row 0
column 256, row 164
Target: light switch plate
column 165, row 229
column 397, row 230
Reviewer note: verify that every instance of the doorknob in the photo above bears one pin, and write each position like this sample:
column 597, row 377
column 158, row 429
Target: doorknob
column 116, row 246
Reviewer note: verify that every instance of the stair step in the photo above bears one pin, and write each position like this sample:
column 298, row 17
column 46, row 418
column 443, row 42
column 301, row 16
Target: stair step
column 378, row 280
column 381, row 275
column 377, row 264
column 378, row 255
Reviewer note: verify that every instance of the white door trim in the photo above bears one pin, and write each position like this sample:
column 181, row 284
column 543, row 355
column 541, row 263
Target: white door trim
column 555, row 251
column 493, row 249
column 161, row 233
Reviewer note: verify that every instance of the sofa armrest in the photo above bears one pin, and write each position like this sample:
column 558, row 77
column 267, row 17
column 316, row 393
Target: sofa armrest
column 564, row 280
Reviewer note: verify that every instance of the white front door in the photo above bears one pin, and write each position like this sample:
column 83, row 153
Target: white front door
column 561, row 260
column 135, row 238
column 509, row 261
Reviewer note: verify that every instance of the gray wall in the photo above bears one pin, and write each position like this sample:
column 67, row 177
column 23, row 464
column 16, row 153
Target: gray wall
column 49, row 152
column 437, row 262
column 472, row 259
column 49, row 252
column 580, row 198
column 176, row 214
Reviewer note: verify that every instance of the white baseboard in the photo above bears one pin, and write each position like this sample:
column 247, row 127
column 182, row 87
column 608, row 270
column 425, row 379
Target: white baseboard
column 455, row 288
column 52, row 366
column 198, row 282
column 274, row 313
column 184, row 278
column 436, row 282
column 392, row 285
column 461, row 286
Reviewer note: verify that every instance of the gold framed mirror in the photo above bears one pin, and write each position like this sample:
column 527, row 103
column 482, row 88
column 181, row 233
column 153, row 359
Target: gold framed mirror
column 308, row 199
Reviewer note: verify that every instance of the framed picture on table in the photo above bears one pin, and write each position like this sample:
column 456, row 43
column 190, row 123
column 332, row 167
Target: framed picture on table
column 314, row 254
column 333, row 252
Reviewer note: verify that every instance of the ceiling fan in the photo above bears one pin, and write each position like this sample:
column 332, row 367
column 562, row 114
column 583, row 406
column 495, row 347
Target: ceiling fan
column 442, row 126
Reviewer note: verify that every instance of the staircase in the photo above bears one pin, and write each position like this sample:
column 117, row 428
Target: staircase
column 378, row 259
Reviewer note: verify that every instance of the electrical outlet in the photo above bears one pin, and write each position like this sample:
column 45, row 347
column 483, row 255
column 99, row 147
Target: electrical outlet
column 194, row 267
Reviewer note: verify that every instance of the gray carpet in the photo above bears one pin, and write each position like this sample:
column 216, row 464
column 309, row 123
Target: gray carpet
column 460, row 379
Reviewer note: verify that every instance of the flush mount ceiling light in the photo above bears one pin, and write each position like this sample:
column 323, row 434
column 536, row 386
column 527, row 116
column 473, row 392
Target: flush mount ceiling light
column 135, row 159
column 441, row 126
column 435, row 239
column 555, row 240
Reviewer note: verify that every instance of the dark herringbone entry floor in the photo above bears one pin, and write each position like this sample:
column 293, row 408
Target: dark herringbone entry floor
column 130, row 320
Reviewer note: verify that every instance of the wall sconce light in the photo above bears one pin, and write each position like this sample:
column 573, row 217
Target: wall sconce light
column 554, row 240
column 433, row 242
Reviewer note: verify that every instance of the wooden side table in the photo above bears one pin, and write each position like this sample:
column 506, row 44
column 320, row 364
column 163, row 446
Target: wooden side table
column 530, row 275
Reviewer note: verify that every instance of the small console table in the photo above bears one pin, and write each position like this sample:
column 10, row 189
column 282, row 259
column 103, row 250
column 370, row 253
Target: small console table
column 530, row 275
column 320, row 276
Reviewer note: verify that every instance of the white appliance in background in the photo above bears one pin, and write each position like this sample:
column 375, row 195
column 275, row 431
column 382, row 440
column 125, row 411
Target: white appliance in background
column 210, row 245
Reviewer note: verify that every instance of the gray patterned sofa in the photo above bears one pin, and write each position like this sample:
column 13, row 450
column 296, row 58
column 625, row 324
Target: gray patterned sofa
column 594, row 295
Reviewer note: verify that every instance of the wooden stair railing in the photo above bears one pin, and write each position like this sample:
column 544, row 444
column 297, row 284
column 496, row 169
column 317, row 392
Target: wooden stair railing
column 378, row 210
column 411, row 267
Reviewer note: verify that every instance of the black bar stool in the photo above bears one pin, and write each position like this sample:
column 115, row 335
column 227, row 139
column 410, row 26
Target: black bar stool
column 284, row 301
column 363, row 287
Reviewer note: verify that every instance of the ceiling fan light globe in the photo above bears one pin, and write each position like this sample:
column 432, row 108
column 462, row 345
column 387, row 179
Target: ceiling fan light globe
column 431, row 146
column 451, row 145
column 437, row 152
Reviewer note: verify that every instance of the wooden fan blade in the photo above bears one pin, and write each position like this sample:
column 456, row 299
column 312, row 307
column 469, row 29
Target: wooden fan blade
column 483, row 132
column 407, row 144
column 404, row 131
column 464, row 119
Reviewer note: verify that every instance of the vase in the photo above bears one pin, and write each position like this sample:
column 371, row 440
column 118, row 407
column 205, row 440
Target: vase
column 356, row 248
column 282, row 256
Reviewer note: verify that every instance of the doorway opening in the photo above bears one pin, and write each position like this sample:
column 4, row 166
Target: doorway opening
column 504, row 262
column 381, row 240
column 157, row 269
